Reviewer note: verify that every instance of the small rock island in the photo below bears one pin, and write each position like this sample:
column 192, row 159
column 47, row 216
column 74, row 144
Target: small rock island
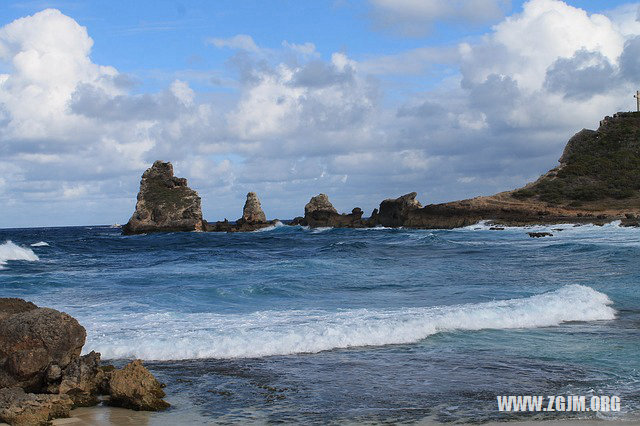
column 597, row 181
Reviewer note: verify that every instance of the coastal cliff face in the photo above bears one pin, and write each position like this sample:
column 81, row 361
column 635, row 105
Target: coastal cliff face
column 596, row 167
column 43, row 376
column 165, row 203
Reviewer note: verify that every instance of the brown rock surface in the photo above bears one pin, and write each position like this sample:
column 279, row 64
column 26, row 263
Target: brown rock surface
column 81, row 379
column 395, row 212
column 252, row 211
column 19, row 408
column 135, row 387
column 319, row 212
column 32, row 340
column 165, row 203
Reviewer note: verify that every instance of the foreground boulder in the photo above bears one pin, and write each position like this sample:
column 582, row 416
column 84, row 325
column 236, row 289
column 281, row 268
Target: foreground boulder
column 28, row 409
column 33, row 340
column 134, row 387
column 319, row 212
column 165, row 203
column 43, row 376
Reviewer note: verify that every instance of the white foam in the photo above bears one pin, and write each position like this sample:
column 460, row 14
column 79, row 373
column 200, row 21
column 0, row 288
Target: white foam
column 278, row 224
column 320, row 229
column 11, row 251
column 40, row 244
column 172, row 336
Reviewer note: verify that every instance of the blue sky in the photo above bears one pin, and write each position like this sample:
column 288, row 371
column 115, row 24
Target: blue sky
column 362, row 100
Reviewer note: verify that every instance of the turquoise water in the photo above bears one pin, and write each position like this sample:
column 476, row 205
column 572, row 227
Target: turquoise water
column 343, row 325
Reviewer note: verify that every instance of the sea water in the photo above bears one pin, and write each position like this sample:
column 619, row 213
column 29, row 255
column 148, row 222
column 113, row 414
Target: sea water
column 349, row 325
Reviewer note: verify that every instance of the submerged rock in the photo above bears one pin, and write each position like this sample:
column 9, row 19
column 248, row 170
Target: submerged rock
column 540, row 234
column 135, row 387
column 19, row 408
column 165, row 203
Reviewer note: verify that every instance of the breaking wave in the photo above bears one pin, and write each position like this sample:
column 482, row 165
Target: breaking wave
column 11, row 251
column 174, row 336
column 40, row 244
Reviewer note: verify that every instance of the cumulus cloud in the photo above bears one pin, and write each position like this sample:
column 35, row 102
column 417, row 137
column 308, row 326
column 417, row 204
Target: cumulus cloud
column 74, row 137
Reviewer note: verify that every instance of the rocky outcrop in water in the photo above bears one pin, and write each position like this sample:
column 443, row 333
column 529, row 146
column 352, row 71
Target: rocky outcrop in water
column 43, row 376
column 319, row 212
column 395, row 212
column 253, row 218
column 252, row 211
column 165, row 203
column 596, row 182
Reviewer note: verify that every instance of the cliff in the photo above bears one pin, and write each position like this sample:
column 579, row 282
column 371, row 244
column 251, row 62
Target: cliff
column 597, row 180
column 165, row 203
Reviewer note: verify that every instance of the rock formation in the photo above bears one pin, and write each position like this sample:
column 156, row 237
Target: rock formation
column 165, row 203
column 596, row 182
column 253, row 218
column 319, row 212
column 395, row 212
column 252, row 211
column 134, row 387
column 32, row 339
column 19, row 408
column 43, row 376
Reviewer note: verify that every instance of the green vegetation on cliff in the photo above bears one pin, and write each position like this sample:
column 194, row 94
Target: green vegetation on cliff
column 595, row 165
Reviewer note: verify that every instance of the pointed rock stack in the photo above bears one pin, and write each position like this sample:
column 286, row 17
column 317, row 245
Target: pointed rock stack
column 165, row 203
column 252, row 211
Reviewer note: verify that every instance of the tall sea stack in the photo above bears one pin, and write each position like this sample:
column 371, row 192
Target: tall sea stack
column 165, row 203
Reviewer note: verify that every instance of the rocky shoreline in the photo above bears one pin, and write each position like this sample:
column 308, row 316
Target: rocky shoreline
column 43, row 376
column 583, row 189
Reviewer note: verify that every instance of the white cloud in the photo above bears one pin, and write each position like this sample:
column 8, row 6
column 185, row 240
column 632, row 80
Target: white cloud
column 298, row 123
column 240, row 41
column 416, row 17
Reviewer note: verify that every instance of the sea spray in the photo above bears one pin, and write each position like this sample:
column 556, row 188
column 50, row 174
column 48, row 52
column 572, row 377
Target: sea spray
column 11, row 251
column 173, row 336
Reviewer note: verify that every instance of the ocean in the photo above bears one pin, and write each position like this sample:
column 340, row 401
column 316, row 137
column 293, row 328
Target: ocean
column 317, row 326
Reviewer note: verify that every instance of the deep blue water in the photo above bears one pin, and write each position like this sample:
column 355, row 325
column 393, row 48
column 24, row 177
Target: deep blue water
column 339, row 325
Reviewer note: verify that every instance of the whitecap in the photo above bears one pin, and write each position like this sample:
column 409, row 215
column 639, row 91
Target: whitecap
column 11, row 251
column 40, row 244
column 174, row 335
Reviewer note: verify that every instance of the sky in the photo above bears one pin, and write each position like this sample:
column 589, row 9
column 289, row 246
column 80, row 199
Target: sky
column 362, row 100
